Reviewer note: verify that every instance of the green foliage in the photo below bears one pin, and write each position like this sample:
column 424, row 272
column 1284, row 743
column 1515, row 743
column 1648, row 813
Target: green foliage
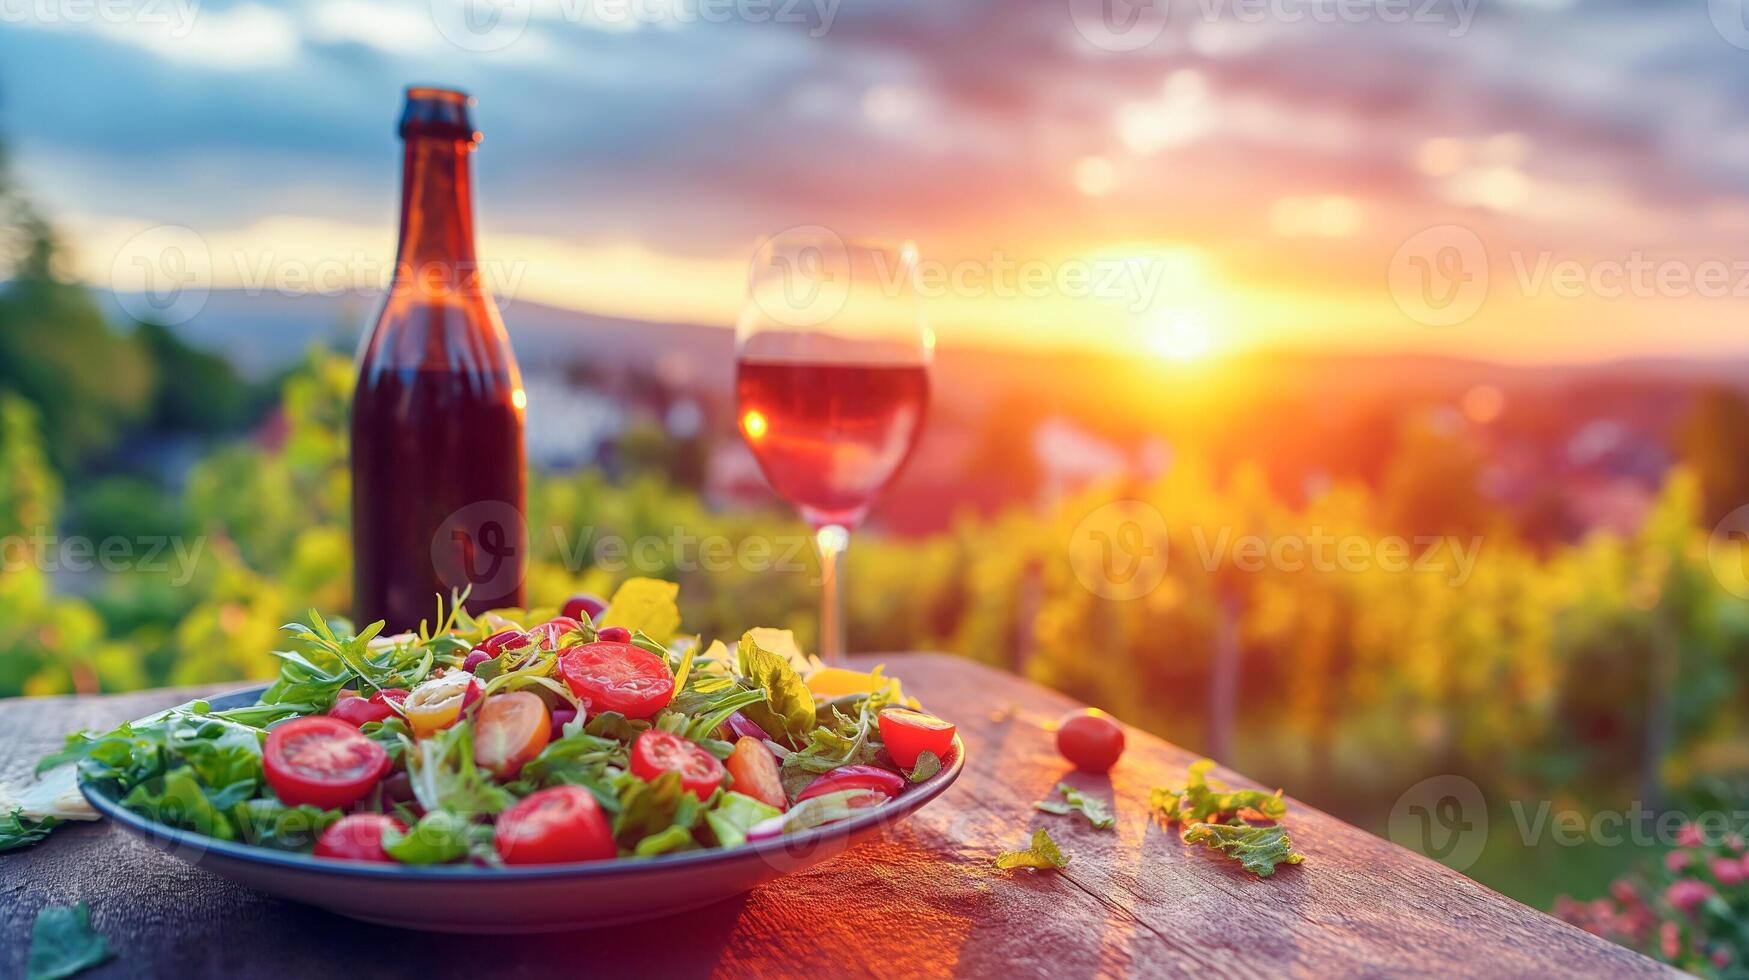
column 1258, row 849
column 62, row 943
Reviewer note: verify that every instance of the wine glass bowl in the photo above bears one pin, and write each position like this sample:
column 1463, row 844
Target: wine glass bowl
column 832, row 380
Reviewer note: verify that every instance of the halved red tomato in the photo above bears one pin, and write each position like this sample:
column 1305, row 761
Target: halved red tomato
column 358, row 837
column 754, row 769
column 554, row 826
column 618, row 677
column 356, row 710
column 510, row 730
column 909, row 734
column 321, row 761
column 656, row 752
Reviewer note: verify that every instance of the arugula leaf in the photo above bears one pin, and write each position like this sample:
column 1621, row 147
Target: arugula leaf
column 649, row 812
column 928, row 764
column 788, row 711
column 1202, row 798
column 439, row 837
column 734, row 815
column 63, row 943
column 1258, row 849
column 1075, row 801
column 267, row 822
column 74, row 748
column 179, row 800
column 15, row 831
column 1043, row 855
column 612, row 724
column 444, row 777
column 645, row 605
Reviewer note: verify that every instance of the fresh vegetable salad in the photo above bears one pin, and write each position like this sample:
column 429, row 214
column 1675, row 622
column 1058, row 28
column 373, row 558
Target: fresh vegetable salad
column 526, row 737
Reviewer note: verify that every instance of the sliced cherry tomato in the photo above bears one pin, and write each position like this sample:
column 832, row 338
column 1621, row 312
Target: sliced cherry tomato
column 510, row 730
column 618, row 677
column 754, row 770
column 356, row 710
column 1090, row 739
column 883, row 781
column 437, row 703
column 554, row 826
column 909, row 734
column 584, row 607
column 656, row 752
column 549, row 633
column 358, row 837
column 321, row 761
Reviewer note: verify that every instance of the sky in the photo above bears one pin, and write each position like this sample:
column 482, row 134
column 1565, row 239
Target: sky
column 1520, row 180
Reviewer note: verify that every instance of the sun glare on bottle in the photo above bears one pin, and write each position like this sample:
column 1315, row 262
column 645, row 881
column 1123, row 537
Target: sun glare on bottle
column 753, row 423
column 1181, row 338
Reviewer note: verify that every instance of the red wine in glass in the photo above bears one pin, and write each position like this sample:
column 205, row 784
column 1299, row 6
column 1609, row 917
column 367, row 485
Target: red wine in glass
column 832, row 381
column 830, row 437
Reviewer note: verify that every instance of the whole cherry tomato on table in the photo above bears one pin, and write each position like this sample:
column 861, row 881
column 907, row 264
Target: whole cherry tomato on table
column 554, row 826
column 358, row 837
column 322, row 761
column 1090, row 739
column 656, row 752
column 909, row 734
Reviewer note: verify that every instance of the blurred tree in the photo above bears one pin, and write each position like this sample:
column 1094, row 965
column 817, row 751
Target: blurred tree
column 1713, row 441
column 195, row 391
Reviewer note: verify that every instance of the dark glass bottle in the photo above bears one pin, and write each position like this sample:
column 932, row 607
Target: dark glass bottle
column 438, row 487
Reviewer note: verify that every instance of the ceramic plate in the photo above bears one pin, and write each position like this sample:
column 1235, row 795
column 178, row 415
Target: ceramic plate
column 529, row 899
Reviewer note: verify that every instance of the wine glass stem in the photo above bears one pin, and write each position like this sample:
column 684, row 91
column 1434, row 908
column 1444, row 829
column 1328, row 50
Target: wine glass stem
column 831, row 540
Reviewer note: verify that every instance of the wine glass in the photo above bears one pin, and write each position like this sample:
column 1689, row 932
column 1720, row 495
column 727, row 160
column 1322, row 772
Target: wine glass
column 832, row 381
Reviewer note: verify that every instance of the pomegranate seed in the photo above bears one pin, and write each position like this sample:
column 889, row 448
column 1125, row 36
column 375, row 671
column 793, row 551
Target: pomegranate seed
column 615, row 634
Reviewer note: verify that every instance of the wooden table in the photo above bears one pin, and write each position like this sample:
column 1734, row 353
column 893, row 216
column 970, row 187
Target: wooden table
column 922, row 902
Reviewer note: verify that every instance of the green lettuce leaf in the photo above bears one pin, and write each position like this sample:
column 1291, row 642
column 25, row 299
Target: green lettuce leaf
column 1075, row 801
column 15, row 831
column 1258, row 849
column 1043, row 854
column 439, row 837
column 63, row 943
column 788, row 711
column 267, row 822
column 734, row 815
column 928, row 764
column 1202, row 798
column 649, row 812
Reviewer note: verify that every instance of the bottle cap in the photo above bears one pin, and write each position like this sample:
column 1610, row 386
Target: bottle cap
column 439, row 112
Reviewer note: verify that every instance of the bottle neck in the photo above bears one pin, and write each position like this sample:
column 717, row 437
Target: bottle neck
column 437, row 215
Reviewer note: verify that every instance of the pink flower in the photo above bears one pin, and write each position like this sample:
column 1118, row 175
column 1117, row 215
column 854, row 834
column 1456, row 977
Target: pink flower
column 1746, row 866
column 1722, row 957
column 1623, row 891
column 1686, row 894
column 1689, row 836
column 1670, row 941
column 1729, row 871
column 1735, row 842
column 1678, row 860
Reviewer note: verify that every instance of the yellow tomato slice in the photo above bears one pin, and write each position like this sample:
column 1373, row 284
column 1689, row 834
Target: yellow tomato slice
column 437, row 703
column 836, row 682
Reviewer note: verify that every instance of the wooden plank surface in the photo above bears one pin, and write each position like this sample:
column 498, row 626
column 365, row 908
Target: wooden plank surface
column 921, row 902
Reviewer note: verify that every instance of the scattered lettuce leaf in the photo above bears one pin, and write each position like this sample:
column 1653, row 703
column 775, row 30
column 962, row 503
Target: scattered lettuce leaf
column 1202, row 799
column 1258, row 849
column 645, row 605
column 788, row 711
column 1075, row 801
column 16, row 831
column 63, row 943
column 734, row 815
column 1042, row 855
